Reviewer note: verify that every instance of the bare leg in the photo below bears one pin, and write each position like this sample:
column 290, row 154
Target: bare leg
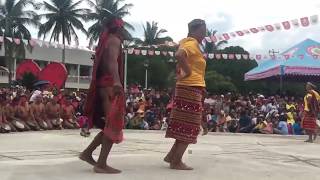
column 86, row 155
column 67, row 124
column 49, row 123
column 101, row 166
column 310, row 140
column 176, row 162
column 170, row 154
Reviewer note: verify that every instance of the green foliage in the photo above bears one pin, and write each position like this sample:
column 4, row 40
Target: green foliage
column 217, row 83
column 212, row 47
column 63, row 17
column 160, row 71
column 28, row 79
column 153, row 35
column 103, row 11
column 13, row 20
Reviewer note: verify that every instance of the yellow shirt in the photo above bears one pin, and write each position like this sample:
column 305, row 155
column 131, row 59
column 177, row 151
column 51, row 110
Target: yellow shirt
column 196, row 61
column 290, row 118
column 306, row 104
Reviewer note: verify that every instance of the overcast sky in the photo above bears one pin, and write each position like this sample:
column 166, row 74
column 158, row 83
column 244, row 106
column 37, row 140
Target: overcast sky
column 226, row 16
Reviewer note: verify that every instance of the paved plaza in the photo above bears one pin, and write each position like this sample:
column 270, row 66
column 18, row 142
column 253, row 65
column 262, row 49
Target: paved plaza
column 52, row 155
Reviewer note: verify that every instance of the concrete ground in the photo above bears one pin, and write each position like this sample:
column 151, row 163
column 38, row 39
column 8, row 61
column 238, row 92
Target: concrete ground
column 52, row 155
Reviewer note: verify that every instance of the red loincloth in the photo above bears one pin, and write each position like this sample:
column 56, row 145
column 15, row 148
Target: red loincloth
column 114, row 115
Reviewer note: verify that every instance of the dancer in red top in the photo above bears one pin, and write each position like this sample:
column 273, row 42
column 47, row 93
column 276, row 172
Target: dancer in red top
column 105, row 106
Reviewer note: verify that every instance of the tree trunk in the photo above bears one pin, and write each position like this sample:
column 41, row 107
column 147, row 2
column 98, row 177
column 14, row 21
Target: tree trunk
column 8, row 51
column 63, row 50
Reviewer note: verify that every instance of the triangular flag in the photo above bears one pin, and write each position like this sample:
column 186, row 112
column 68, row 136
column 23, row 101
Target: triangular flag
column 9, row 38
column 254, row 30
column 218, row 56
column 246, row 31
column 231, row 56
column 211, row 55
column 305, row 21
column 261, row 29
column 314, row 19
column 226, row 36
column 205, row 56
column 165, row 53
column 269, row 28
column 286, row 25
column 220, row 38
column 137, row 51
column 238, row 56
column 225, row 56
column 295, row 23
column 240, row 33
column 232, row 34
column 150, row 52
column 157, row 53
column 130, row 50
column 245, row 56
column 213, row 38
column 277, row 26
column 170, row 53
column 144, row 52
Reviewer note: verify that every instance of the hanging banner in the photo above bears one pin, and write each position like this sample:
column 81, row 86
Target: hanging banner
column 1, row 39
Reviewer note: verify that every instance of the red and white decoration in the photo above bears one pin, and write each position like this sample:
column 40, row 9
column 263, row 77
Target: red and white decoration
column 285, row 25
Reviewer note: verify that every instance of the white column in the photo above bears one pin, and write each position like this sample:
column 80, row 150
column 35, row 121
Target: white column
column 78, row 77
column 14, row 68
column 146, row 81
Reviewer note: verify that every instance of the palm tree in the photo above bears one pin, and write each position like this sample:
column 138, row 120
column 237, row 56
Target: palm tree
column 63, row 18
column 152, row 35
column 104, row 10
column 13, row 20
column 211, row 47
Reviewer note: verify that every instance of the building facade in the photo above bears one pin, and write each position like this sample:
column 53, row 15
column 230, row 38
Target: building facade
column 77, row 61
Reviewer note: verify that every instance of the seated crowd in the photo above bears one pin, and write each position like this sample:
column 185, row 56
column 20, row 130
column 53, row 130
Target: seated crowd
column 38, row 110
column 150, row 110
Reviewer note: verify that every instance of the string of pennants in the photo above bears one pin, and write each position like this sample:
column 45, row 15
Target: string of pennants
column 218, row 56
column 35, row 42
column 285, row 25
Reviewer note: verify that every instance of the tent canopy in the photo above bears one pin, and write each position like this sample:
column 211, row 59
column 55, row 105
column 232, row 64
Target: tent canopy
column 295, row 66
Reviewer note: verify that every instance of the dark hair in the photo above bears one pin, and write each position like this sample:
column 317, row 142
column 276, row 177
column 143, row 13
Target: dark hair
column 112, row 26
column 195, row 24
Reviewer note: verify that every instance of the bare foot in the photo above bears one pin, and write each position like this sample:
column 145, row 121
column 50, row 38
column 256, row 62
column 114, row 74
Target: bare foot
column 87, row 158
column 167, row 159
column 180, row 166
column 106, row 170
column 309, row 141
